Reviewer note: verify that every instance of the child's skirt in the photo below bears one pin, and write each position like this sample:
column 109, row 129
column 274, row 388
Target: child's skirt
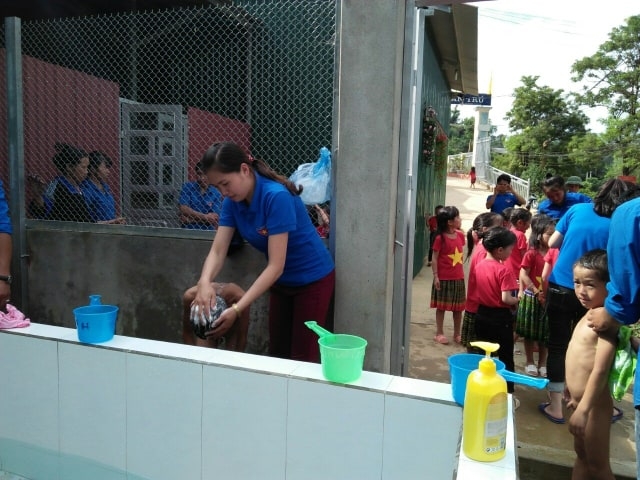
column 468, row 333
column 451, row 297
column 531, row 319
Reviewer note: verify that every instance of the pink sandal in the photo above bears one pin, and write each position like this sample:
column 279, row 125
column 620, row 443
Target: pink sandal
column 441, row 339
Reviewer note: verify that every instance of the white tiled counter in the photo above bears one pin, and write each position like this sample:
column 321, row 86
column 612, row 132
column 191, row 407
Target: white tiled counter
column 146, row 410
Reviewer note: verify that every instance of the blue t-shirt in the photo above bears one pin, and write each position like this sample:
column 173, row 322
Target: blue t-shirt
column 583, row 230
column 502, row 201
column 101, row 204
column 5, row 221
column 208, row 202
column 275, row 210
column 557, row 211
column 623, row 256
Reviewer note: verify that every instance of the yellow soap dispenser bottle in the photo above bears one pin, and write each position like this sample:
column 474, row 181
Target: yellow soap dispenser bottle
column 484, row 417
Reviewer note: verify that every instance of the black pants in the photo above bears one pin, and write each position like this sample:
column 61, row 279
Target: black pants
column 563, row 311
column 496, row 325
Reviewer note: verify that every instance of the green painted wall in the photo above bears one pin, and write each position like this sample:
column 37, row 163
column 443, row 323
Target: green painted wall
column 432, row 176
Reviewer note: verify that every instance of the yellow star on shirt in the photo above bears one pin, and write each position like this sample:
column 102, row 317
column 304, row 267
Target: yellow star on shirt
column 456, row 257
column 539, row 280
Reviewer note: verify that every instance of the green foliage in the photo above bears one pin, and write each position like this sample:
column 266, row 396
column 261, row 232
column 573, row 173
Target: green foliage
column 611, row 79
column 460, row 133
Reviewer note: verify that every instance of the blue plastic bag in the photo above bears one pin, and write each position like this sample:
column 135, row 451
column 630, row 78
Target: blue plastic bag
column 315, row 179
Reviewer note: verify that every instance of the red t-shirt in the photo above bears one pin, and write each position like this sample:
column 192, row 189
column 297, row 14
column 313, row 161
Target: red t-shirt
column 450, row 256
column 433, row 223
column 479, row 253
column 492, row 279
column 552, row 256
column 533, row 261
column 515, row 260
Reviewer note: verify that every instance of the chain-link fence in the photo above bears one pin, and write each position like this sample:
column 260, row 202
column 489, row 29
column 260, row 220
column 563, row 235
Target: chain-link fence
column 118, row 109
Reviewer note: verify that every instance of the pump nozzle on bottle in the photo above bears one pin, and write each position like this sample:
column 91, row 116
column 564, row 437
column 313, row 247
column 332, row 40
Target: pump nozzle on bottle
column 487, row 365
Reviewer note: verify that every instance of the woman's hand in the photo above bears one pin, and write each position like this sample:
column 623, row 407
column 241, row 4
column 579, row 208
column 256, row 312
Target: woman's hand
column 204, row 296
column 224, row 323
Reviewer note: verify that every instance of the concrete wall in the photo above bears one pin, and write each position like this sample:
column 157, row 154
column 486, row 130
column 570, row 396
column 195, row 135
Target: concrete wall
column 144, row 274
column 366, row 145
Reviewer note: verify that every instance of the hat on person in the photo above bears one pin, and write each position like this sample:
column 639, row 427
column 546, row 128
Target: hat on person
column 573, row 180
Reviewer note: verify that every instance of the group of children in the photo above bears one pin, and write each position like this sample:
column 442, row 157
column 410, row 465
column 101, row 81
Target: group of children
column 506, row 299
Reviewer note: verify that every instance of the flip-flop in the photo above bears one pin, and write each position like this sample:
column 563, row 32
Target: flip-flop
column 617, row 416
column 551, row 418
column 441, row 339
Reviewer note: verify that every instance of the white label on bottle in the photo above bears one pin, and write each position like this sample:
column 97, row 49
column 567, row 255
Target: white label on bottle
column 495, row 429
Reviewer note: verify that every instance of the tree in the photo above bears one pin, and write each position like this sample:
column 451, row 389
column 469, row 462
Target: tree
column 612, row 80
column 460, row 133
column 543, row 122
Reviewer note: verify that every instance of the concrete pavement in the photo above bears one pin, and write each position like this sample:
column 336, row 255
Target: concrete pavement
column 542, row 445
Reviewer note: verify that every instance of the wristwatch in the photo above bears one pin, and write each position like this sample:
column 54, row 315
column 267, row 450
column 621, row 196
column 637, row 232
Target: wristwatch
column 6, row 278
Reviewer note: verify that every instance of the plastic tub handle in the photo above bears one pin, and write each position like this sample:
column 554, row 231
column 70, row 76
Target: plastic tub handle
column 524, row 379
column 313, row 325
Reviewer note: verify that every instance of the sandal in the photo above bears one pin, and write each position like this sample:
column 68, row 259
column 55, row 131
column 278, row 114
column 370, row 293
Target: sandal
column 542, row 371
column 531, row 370
column 458, row 339
column 441, row 339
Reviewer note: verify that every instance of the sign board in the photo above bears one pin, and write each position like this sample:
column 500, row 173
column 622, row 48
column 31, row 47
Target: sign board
column 483, row 99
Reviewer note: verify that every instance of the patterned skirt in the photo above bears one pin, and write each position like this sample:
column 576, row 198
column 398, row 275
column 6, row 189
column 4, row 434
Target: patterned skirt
column 451, row 297
column 468, row 332
column 531, row 319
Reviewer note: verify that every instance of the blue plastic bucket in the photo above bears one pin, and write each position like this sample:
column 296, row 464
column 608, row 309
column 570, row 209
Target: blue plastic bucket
column 96, row 323
column 460, row 366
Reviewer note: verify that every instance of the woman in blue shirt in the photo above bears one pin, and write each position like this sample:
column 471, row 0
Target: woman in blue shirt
column 199, row 203
column 97, row 194
column 266, row 209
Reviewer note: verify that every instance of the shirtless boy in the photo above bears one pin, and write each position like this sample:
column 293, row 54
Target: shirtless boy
column 587, row 363
column 233, row 339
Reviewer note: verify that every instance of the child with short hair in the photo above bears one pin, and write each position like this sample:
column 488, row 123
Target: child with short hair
column 495, row 284
column 587, row 363
column 448, row 289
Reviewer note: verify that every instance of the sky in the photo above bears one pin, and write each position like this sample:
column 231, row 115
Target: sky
column 540, row 38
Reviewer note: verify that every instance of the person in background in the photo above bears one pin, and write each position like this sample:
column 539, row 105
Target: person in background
column 472, row 177
column 432, row 224
column 495, row 286
column 448, row 289
column 300, row 274
column 40, row 204
column 506, row 217
column 68, row 199
column 558, row 200
column 589, row 358
column 520, row 220
column 235, row 338
column 475, row 253
column 6, row 248
column 200, row 203
column 324, row 222
column 622, row 305
column 583, row 228
column 531, row 319
column 503, row 195
column 574, row 184
column 97, row 194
